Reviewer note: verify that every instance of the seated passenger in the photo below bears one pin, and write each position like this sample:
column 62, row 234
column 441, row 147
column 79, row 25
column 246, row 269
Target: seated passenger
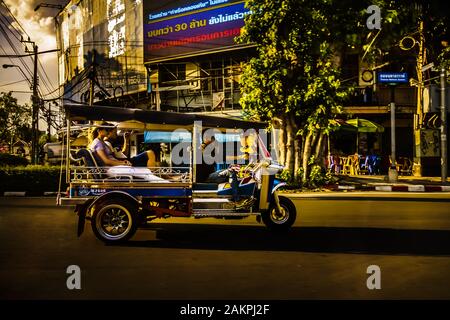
column 144, row 159
column 204, row 169
column 106, row 153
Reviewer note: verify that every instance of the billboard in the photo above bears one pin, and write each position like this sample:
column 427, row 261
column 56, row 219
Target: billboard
column 109, row 32
column 184, row 28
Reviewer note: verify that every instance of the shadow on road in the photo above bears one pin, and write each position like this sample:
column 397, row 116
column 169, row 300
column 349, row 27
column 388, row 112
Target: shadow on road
column 301, row 239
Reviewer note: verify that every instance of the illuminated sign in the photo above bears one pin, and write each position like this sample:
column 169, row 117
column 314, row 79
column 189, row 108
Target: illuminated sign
column 115, row 10
column 392, row 77
column 190, row 27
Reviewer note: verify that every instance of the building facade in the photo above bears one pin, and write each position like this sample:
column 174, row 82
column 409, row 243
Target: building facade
column 165, row 55
column 181, row 56
column 101, row 42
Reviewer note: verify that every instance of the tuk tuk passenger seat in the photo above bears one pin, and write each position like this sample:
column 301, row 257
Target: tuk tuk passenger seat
column 90, row 161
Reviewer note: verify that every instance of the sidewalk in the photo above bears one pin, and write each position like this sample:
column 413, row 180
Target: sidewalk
column 343, row 183
column 381, row 183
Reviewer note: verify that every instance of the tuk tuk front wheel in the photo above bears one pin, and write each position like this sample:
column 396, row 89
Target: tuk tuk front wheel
column 114, row 220
column 283, row 220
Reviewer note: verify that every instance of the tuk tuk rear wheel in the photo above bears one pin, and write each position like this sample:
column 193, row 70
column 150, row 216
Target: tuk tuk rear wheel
column 114, row 221
column 282, row 221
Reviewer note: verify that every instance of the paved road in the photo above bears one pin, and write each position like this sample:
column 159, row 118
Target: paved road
column 326, row 254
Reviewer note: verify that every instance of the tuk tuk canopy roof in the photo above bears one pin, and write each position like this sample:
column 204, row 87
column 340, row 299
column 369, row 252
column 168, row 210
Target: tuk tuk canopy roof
column 117, row 114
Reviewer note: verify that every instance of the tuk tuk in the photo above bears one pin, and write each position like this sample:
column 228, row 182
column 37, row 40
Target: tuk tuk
column 118, row 200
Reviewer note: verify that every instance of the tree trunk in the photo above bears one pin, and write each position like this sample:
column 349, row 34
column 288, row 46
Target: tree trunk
column 302, row 152
column 319, row 146
column 337, row 56
column 298, row 156
column 290, row 152
column 282, row 143
column 307, row 155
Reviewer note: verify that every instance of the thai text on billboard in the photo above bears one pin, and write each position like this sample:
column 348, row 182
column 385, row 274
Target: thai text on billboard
column 191, row 27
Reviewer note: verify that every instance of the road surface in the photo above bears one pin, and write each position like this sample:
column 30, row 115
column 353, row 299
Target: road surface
column 325, row 256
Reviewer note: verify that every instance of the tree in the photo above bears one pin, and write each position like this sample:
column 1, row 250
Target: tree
column 15, row 120
column 293, row 79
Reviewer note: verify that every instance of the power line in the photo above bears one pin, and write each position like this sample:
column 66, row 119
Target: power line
column 44, row 81
column 43, row 74
column 11, row 83
column 46, row 76
column 8, row 25
column 82, row 77
column 82, row 87
column 52, row 92
column 11, row 14
column 4, row 51
column 18, row 91
column 12, row 45
column 23, row 72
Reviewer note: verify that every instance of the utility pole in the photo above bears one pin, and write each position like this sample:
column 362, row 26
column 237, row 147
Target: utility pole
column 35, row 143
column 393, row 174
column 49, row 123
column 419, row 116
column 35, row 97
column 392, row 79
column 443, row 128
column 92, row 76
column 35, row 102
column 421, row 58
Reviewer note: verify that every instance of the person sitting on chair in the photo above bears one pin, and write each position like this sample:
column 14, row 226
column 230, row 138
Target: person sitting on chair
column 144, row 159
column 106, row 153
column 205, row 171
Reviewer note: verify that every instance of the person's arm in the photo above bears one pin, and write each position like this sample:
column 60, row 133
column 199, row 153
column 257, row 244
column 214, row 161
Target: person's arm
column 111, row 162
column 126, row 143
column 151, row 162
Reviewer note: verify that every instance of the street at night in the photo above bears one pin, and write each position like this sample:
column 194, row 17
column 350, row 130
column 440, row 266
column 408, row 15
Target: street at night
column 324, row 256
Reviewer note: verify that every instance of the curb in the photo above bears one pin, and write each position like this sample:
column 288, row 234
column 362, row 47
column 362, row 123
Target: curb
column 393, row 188
column 413, row 188
column 14, row 194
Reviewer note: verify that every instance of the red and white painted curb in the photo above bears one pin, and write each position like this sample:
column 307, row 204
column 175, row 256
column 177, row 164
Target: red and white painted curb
column 412, row 188
column 393, row 188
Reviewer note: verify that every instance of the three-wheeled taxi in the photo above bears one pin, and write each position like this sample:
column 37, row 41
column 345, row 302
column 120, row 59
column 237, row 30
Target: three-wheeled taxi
column 120, row 199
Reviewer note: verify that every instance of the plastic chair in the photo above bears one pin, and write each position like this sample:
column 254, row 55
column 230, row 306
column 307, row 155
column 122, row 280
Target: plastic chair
column 363, row 169
column 347, row 165
column 373, row 164
column 334, row 164
column 406, row 166
column 398, row 164
column 354, row 164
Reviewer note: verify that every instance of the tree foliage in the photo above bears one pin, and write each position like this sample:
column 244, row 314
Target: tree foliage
column 294, row 80
column 293, row 77
column 15, row 120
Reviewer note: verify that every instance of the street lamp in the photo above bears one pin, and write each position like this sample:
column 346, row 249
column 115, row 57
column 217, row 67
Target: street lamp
column 6, row 66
